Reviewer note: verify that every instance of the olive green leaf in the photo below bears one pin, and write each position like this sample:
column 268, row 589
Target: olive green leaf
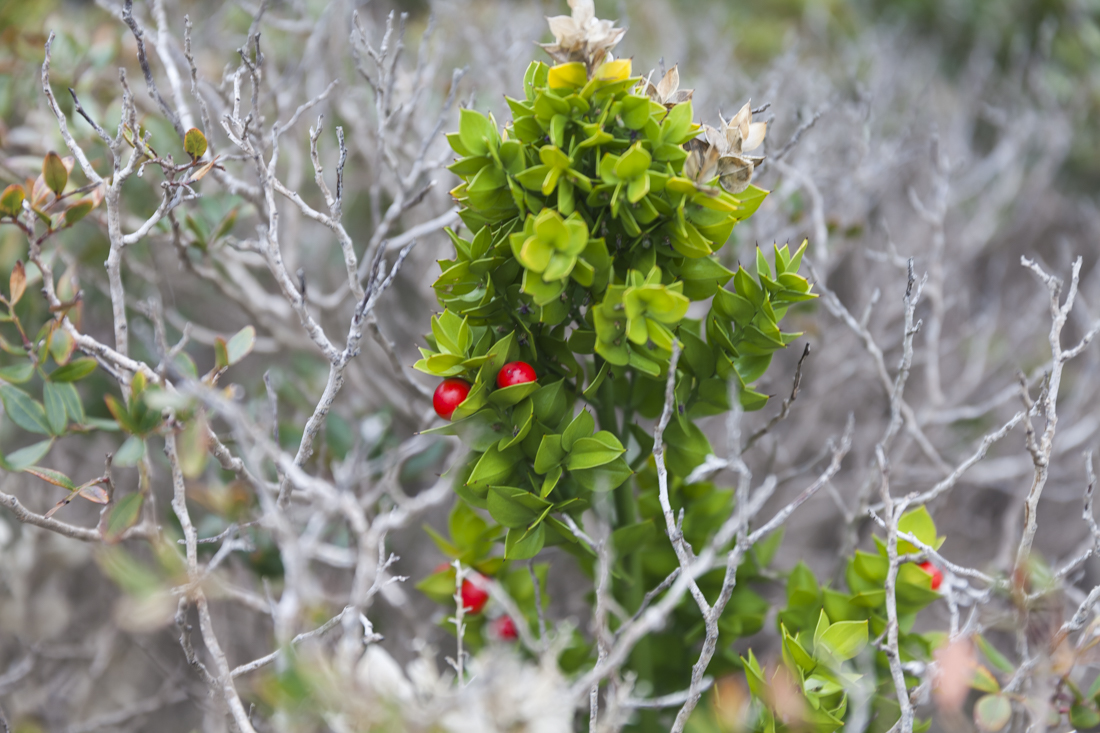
column 54, row 172
column 11, row 200
column 194, row 143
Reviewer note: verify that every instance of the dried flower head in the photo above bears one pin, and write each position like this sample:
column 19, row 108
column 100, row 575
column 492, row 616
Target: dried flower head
column 723, row 152
column 667, row 91
column 582, row 36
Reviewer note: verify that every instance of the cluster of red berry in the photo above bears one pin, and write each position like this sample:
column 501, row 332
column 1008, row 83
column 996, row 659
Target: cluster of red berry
column 448, row 396
column 474, row 600
column 453, row 392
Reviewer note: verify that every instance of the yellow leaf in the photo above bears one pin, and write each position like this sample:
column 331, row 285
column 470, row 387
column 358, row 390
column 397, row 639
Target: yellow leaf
column 564, row 76
column 613, row 70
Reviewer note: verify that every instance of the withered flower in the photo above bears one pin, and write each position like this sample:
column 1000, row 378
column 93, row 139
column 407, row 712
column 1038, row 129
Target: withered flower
column 723, row 152
column 582, row 36
column 667, row 91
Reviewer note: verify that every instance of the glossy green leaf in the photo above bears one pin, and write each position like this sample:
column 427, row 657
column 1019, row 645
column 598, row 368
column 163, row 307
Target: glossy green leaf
column 523, row 545
column 581, row 427
column 845, row 639
column 917, row 522
column 550, row 453
column 493, row 467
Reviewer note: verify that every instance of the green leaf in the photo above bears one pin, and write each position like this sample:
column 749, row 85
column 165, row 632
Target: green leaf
column 192, row 445
column 100, row 423
column 520, row 545
column 75, row 370
column 494, row 467
column 475, row 131
column 821, row 628
column 194, row 143
column 508, row 396
column 131, row 452
column 553, row 476
column 506, row 506
column 28, row 456
column 550, row 403
column 124, row 514
column 121, row 415
column 998, row 660
column 78, row 211
column 240, row 345
column 11, row 201
column 845, row 639
column 604, row 478
column 1094, row 688
column 550, row 453
column 17, row 373
column 466, row 526
column 221, row 354
column 984, row 680
column 73, row 406
column 796, row 653
column 514, row 508
column 992, row 712
column 591, row 452
column 55, row 408
column 1083, row 716
column 54, row 172
column 50, row 475
column 23, row 410
column 478, row 431
column 630, row 538
column 918, row 523
column 581, row 427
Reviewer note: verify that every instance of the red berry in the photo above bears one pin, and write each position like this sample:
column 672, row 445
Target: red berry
column 505, row 628
column 473, row 597
column 448, row 395
column 936, row 573
column 517, row 372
